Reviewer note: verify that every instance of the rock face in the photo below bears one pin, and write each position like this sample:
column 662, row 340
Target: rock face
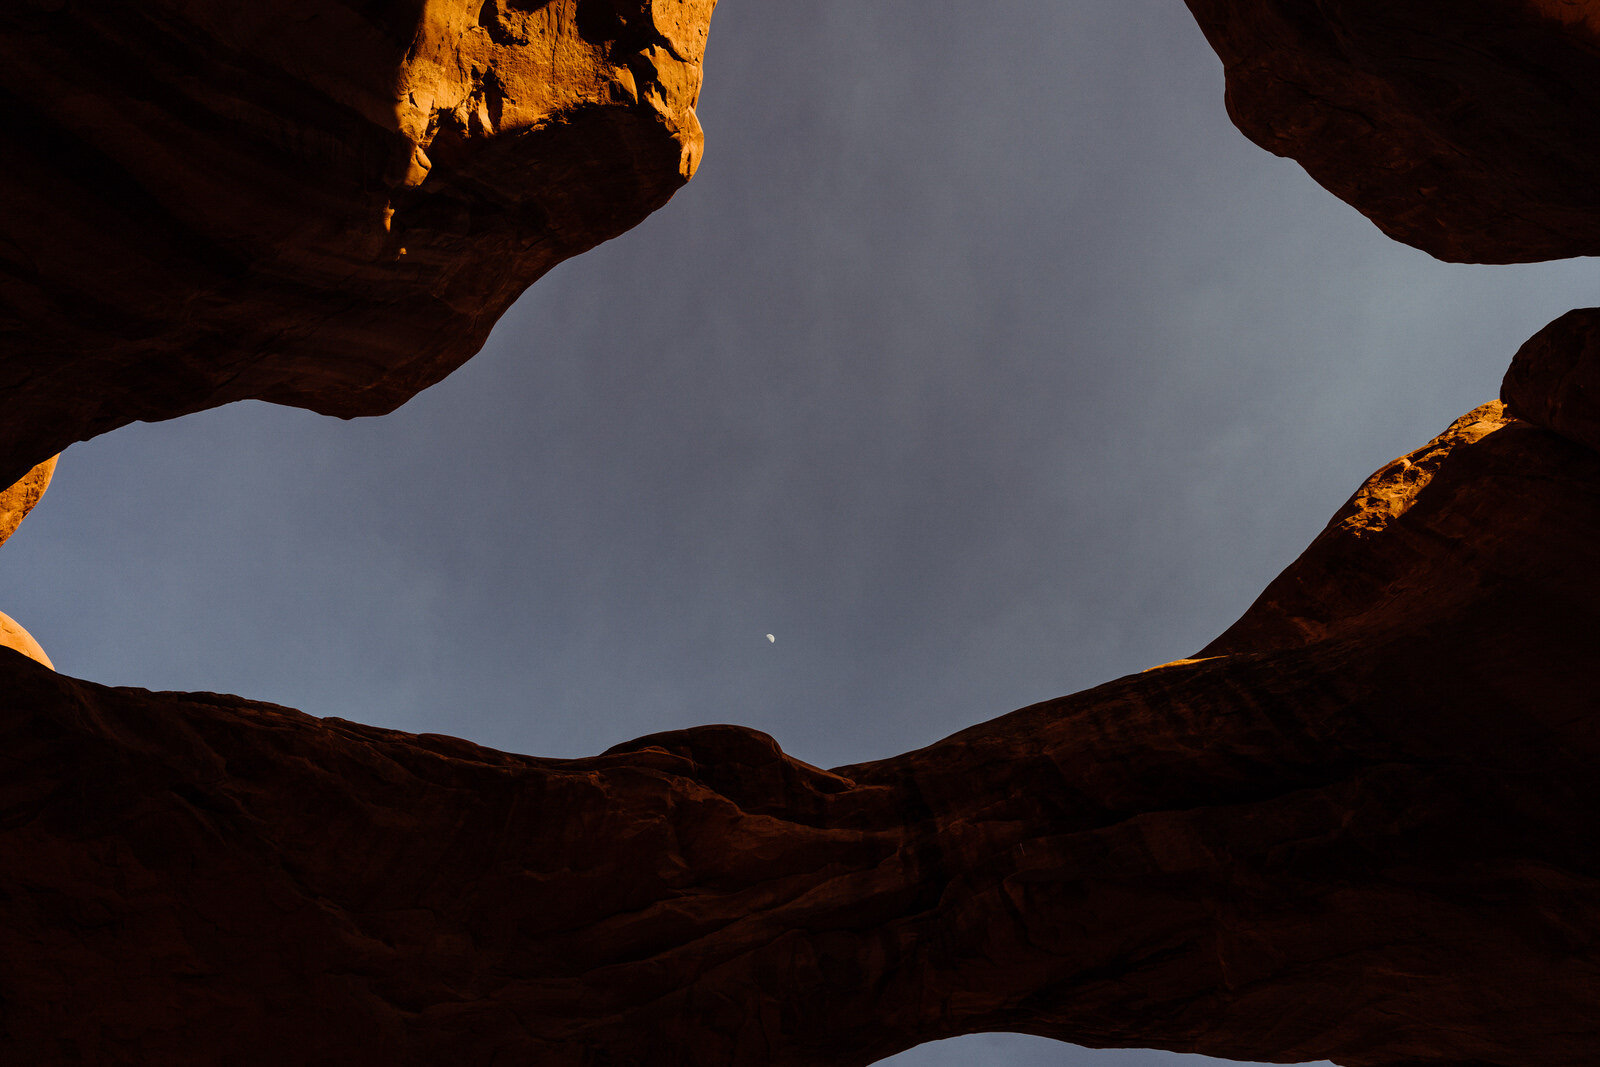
column 1358, row 826
column 15, row 503
column 1463, row 127
column 1554, row 379
column 14, row 636
column 324, row 203
column 19, row 499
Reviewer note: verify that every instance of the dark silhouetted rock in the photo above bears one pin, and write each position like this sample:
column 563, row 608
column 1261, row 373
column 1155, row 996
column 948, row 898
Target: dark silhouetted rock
column 1554, row 379
column 321, row 203
column 1466, row 128
column 1359, row 826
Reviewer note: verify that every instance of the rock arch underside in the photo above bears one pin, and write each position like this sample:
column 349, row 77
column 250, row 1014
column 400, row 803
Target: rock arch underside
column 1360, row 825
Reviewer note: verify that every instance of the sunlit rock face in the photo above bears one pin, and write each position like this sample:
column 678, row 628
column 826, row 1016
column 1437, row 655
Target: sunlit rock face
column 1359, row 826
column 1463, row 127
column 19, row 498
column 12, row 635
column 313, row 202
column 15, row 503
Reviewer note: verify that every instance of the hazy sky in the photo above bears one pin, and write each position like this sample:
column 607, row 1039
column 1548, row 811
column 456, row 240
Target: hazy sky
column 982, row 362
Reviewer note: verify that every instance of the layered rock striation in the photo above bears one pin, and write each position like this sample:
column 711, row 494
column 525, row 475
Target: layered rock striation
column 1357, row 827
column 321, row 203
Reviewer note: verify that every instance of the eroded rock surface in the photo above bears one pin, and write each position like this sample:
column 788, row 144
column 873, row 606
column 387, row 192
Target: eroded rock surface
column 322, row 203
column 19, row 498
column 1466, row 128
column 1359, row 826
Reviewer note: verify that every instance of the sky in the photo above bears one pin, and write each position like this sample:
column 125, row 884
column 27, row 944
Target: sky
column 982, row 362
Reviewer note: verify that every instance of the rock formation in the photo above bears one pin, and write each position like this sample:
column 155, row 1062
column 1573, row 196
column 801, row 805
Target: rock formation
column 15, row 503
column 322, row 203
column 12, row 635
column 19, row 499
column 1554, row 379
column 1464, row 127
column 1358, row 826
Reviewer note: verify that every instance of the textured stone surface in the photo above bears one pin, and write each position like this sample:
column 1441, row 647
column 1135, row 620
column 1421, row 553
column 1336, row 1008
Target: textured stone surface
column 19, row 498
column 15, row 503
column 1554, row 379
column 1358, row 827
column 1463, row 127
column 322, row 203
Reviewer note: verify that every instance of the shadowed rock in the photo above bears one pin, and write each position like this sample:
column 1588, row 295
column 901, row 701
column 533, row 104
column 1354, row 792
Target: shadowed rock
column 313, row 202
column 1466, row 128
column 1554, row 379
column 1358, row 827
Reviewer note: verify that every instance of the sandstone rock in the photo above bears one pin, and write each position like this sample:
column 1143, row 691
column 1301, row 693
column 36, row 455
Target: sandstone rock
column 19, row 499
column 15, row 503
column 15, row 637
column 322, row 203
column 1359, row 826
column 1337, row 587
column 1554, row 379
column 1465, row 128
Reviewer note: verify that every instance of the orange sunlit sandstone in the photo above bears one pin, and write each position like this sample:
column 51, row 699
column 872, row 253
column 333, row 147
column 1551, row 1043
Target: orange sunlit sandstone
column 232, row 185
column 18, row 499
column 1357, row 826
column 15, row 503
column 14, row 636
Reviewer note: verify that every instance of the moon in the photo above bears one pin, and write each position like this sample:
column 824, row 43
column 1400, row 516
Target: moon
column 772, row 639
